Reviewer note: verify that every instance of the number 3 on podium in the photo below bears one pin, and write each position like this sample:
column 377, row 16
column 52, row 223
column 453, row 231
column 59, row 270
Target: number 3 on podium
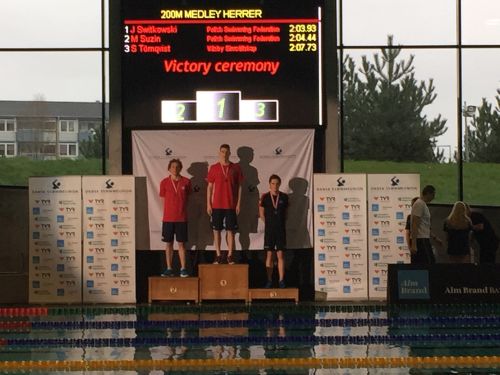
column 259, row 110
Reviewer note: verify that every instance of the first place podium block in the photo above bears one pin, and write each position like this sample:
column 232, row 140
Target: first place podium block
column 223, row 281
column 173, row 289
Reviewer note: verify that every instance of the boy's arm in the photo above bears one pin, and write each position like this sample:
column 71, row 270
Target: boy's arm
column 238, row 201
column 210, row 189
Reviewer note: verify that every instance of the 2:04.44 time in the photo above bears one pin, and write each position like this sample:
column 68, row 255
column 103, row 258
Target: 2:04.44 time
column 302, row 38
column 302, row 47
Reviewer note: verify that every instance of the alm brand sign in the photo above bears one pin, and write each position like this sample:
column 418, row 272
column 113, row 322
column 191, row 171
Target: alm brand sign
column 413, row 284
column 464, row 290
column 444, row 283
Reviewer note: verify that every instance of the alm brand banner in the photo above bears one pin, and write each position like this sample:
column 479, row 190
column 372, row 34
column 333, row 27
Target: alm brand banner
column 55, row 239
column 389, row 204
column 108, row 239
column 413, row 284
column 260, row 153
column 444, row 283
column 340, row 236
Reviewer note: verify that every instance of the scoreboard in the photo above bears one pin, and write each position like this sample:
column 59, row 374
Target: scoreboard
column 190, row 63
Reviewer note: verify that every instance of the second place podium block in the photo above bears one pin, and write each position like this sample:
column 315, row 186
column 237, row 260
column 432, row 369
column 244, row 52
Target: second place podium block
column 173, row 289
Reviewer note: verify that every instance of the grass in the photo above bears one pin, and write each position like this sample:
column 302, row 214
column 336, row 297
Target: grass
column 481, row 180
column 16, row 171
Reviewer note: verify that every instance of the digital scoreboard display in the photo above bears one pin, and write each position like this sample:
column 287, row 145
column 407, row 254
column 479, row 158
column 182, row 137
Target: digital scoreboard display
column 190, row 63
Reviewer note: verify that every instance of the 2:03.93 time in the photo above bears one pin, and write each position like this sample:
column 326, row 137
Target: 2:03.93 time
column 302, row 47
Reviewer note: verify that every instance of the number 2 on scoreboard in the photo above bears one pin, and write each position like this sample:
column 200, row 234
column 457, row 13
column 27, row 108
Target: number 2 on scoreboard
column 181, row 108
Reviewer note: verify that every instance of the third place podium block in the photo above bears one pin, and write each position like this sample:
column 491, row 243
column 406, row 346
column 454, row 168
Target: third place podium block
column 223, row 281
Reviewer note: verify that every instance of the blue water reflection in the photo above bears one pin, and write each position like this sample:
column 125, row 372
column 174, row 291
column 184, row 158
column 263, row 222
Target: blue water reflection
column 219, row 332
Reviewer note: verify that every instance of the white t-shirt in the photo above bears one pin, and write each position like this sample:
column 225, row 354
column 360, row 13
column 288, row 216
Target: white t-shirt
column 421, row 210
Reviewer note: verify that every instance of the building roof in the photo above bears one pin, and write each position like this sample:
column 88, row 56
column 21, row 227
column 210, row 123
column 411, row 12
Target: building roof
column 11, row 108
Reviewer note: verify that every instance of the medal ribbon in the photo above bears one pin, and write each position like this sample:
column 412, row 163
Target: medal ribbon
column 174, row 185
column 225, row 171
column 275, row 202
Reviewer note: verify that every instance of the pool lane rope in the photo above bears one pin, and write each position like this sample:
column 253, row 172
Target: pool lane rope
column 279, row 363
column 400, row 322
column 456, row 339
column 277, row 307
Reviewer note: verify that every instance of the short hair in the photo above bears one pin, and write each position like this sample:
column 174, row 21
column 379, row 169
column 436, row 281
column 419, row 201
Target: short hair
column 174, row 161
column 428, row 189
column 224, row 145
column 275, row 177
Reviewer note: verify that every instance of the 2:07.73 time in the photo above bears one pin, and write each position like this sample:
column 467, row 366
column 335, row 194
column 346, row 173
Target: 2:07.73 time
column 302, row 47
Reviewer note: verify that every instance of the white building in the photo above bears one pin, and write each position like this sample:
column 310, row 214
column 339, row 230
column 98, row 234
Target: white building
column 47, row 130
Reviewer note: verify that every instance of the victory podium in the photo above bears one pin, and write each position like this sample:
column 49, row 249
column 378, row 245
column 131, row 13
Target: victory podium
column 223, row 281
column 215, row 282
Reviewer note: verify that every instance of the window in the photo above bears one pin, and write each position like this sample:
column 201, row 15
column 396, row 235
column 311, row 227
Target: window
column 7, row 125
column 390, row 126
column 481, row 125
column 368, row 22
column 7, row 149
column 35, row 23
column 480, row 22
column 68, row 126
column 52, row 74
column 68, row 149
column 454, row 57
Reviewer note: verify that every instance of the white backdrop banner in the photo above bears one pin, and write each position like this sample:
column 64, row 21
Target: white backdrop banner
column 260, row 153
column 340, row 238
column 55, row 271
column 109, row 239
column 389, row 203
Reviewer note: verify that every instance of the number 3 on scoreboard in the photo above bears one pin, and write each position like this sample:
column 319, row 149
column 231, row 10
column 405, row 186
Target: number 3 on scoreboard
column 261, row 109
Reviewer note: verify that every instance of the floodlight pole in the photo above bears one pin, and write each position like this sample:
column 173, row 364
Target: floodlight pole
column 467, row 111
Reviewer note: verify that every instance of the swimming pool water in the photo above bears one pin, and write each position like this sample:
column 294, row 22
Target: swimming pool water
column 277, row 338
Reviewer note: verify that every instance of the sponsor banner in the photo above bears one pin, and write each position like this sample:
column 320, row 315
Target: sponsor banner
column 444, row 283
column 389, row 204
column 260, row 153
column 108, row 239
column 340, row 238
column 55, row 261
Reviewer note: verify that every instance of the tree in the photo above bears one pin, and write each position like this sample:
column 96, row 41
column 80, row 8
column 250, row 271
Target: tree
column 92, row 147
column 383, row 105
column 37, row 130
column 483, row 136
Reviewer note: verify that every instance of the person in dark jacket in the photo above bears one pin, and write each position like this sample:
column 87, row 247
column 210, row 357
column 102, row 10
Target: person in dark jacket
column 485, row 236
